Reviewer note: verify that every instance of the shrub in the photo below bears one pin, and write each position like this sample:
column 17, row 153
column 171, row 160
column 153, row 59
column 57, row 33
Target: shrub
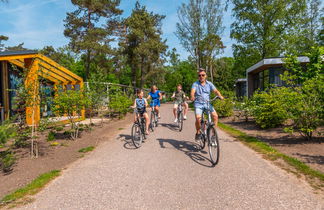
column 224, row 107
column 7, row 161
column 272, row 108
column 308, row 112
column 244, row 108
column 43, row 124
column 51, row 136
column 119, row 102
column 71, row 103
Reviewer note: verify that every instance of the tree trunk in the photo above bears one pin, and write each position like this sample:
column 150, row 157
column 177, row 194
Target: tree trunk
column 87, row 70
column 142, row 73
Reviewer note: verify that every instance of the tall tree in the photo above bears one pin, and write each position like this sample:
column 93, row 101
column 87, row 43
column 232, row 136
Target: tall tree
column 260, row 28
column 200, row 20
column 2, row 38
column 143, row 45
column 86, row 34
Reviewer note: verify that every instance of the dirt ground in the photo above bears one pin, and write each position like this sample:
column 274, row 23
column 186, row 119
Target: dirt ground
column 309, row 152
column 56, row 157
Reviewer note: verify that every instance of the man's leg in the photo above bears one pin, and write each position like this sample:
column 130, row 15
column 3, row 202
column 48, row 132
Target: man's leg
column 215, row 117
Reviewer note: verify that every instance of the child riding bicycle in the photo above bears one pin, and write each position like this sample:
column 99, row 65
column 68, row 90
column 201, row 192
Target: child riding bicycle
column 179, row 97
column 140, row 105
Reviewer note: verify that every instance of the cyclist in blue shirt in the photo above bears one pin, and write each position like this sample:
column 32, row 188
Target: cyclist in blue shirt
column 156, row 96
column 140, row 105
column 200, row 95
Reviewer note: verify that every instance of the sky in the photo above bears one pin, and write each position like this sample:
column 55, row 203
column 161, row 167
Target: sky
column 39, row 23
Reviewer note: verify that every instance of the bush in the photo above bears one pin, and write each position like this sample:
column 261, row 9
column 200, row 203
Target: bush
column 308, row 112
column 7, row 131
column 224, row 107
column 273, row 107
column 51, row 136
column 71, row 103
column 7, row 161
column 244, row 108
column 43, row 124
column 119, row 102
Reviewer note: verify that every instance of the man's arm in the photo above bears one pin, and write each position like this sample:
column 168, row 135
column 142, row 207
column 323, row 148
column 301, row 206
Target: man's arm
column 192, row 94
column 218, row 93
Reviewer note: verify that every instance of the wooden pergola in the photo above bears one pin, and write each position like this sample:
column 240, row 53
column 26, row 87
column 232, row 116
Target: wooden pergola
column 36, row 65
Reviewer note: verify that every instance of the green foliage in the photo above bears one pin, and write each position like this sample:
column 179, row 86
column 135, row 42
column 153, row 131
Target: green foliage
column 86, row 149
column 43, row 124
column 7, row 131
column 59, row 128
column 7, row 160
column 271, row 108
column 51, row 136
column 71, row 103
column 199, row 29
column 297, row 73
column 224, row 107
column 244, row 108
column 22, row 136
column 260, row 28
column 32, row 188
column 143, row 45
column 86, row 35
column 308, row 112
column 119, row 102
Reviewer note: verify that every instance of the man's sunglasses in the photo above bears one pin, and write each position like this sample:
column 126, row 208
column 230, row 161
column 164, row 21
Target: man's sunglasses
column 201, row 75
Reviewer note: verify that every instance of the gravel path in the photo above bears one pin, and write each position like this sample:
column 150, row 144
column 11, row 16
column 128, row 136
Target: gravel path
column 167, row 172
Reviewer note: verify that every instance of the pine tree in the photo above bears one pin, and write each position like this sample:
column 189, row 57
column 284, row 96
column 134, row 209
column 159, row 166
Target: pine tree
column 143, row 44
column 86, row 34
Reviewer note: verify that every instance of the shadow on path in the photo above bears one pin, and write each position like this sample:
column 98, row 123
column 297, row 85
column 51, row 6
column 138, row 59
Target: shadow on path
column 128, row 141
column 171, row 126
column 190, row 149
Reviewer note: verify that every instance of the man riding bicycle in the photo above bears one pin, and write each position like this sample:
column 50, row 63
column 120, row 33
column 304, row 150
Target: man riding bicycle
column 200, row 95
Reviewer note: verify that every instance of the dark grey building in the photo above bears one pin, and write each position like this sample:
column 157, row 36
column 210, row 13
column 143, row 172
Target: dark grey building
column 267, row 72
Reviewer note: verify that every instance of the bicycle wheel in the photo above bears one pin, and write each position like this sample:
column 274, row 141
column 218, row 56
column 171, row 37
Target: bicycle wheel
column 213, row 145
column 156, row 119
column 137, row 137
column 180, row 121
column 152, row 122
column 202, row 139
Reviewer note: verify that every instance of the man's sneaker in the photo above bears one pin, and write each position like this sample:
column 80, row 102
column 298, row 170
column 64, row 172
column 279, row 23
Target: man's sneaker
column 185, row 117
column 175, row 120
column 197, row 136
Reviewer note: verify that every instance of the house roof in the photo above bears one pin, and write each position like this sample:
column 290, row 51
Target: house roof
column 24, row 52
column 46, row 67
column 274, row 61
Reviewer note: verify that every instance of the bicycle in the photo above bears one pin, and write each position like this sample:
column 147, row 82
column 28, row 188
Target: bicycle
column 209, row 134
column 180, row 116
column 138, row 130
column 154, row 117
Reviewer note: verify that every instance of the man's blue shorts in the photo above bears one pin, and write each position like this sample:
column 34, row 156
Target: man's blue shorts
column 199, row 108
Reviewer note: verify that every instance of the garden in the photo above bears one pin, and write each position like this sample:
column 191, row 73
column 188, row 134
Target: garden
column 289, row 118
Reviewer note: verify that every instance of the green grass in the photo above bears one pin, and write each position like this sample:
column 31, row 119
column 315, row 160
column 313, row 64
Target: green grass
column 86, row 149
column 32, row 188
column 271, row 153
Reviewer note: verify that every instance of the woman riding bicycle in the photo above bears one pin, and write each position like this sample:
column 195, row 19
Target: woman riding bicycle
column 140, row 105
column 200, row 94
column 156, row 96
column 179, row 97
